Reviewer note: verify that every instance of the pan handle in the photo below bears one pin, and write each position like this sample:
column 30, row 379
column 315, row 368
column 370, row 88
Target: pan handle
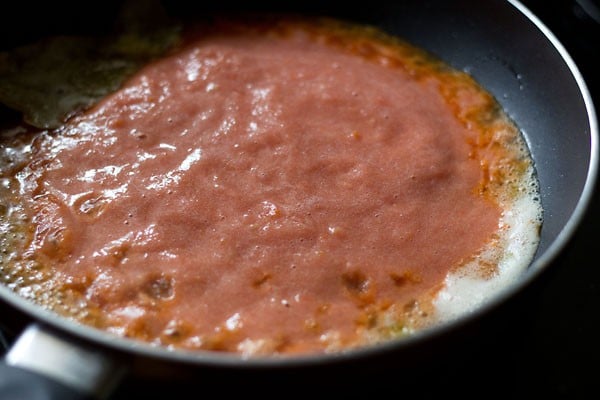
column 43, row 365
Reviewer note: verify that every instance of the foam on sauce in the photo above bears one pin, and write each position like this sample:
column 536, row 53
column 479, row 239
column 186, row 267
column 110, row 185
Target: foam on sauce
column 273, row 189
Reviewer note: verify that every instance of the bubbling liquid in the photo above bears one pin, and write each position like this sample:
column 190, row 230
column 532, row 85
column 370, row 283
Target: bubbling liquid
column 270, row 188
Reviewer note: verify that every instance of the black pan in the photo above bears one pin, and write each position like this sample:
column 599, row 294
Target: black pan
column 509, row 51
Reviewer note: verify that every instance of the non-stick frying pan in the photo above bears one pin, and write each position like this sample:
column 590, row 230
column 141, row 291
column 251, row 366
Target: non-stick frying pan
column 506, row 48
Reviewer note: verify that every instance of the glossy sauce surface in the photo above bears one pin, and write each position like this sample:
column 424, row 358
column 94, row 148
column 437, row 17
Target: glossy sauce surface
column 268, row 190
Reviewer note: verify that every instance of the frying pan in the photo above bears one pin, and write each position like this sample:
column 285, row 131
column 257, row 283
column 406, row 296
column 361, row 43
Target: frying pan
column 505, row 48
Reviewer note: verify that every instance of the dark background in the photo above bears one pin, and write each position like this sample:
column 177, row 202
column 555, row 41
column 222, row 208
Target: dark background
column 544, row 342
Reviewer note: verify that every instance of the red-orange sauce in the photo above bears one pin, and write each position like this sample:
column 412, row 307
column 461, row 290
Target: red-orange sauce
column 278, row 189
